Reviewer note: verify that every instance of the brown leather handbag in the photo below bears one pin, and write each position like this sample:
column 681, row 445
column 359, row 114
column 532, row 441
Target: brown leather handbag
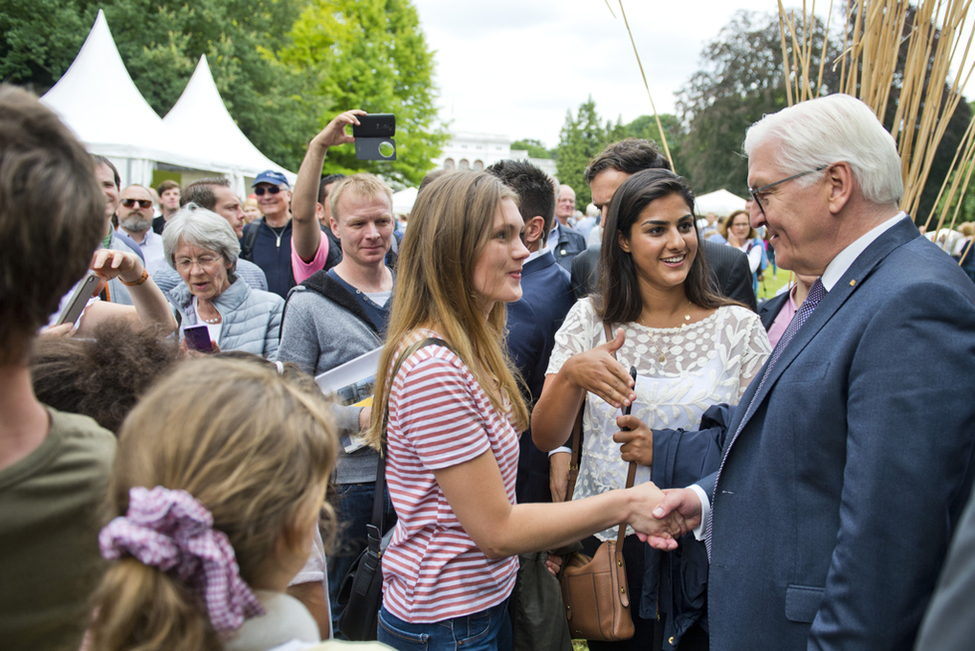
column 594, row 590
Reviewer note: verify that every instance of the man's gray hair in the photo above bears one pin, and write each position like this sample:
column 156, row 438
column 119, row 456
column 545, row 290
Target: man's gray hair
column 832, row 129
column 203, row 228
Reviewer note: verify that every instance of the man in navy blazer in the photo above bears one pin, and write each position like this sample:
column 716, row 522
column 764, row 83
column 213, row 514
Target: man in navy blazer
column 849, row 459
column 536, row 317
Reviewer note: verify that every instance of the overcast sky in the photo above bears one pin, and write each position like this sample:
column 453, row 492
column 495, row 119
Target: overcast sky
column 513, row 67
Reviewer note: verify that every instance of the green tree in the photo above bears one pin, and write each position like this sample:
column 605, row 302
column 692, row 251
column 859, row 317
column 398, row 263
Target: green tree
column 535, row 148
column 645, row 128
column 741, row 80
column 582, row 137
column 160, row 42
column 39, row 39
column 283, row 67
column 370, row 54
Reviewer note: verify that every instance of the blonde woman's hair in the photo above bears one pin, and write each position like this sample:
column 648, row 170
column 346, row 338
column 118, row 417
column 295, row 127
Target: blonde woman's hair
column 450, row 223
column 254, row 447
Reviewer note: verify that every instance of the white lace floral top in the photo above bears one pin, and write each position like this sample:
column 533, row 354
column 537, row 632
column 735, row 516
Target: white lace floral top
column 707, row 362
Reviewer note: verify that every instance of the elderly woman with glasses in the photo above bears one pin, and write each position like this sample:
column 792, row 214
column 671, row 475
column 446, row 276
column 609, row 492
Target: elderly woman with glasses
column 203, row 248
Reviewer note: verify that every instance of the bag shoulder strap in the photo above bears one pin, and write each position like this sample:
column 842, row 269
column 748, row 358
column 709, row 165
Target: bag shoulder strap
column 379, row 496
column 577, row 451
column 250, row 237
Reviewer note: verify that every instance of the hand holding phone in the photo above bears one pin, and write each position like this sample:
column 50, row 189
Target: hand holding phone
column 634, row 435
column 78, row 300
column 198, row 338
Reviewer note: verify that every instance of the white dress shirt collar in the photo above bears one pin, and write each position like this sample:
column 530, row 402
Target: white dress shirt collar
column 845, row 258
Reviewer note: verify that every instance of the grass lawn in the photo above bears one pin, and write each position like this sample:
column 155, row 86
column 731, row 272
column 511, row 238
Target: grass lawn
column 771, row 284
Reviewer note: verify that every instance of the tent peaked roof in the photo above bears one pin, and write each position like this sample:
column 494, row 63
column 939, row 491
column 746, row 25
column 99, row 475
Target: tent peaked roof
column 98, row 100
column 200, row 116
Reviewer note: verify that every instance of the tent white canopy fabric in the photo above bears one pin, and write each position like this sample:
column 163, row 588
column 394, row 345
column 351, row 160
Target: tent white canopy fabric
column 721, row 202
column 403, row 201
column 200, row 116
column 98, row 100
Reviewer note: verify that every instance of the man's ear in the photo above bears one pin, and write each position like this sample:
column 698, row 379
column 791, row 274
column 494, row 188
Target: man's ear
column 534, row 229
column 840, row 181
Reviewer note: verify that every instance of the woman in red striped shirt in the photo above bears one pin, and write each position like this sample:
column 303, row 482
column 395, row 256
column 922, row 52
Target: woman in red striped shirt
column 455, row 412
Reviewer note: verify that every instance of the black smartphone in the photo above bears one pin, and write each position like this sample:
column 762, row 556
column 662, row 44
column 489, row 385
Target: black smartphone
column 626, row 408
column 78, row 300
column 375, row 125
column 198, row 338
column 374, row 137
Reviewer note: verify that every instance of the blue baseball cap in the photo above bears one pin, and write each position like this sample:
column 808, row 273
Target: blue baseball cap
column 272, row 177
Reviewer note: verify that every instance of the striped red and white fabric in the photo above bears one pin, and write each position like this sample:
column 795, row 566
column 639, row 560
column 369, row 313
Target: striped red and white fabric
column 440, row 417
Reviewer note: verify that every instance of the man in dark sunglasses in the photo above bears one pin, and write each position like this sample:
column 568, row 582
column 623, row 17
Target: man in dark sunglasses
column 135, row 213
column 267, row 241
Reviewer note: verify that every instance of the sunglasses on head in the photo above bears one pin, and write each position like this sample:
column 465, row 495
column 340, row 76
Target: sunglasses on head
column 271, row 189
column 143, row 203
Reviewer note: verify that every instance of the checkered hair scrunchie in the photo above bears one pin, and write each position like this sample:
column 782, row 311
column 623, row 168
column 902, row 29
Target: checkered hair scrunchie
column 171, row 530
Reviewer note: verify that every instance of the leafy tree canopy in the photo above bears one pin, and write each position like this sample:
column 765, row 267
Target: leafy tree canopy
column 370, row 54
column 278, row 98
column 534, row 147
column 583, row 136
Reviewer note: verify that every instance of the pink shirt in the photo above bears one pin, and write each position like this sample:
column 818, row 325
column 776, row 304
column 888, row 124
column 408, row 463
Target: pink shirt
column 440, row 417
column 301, row 269
column 783, row 318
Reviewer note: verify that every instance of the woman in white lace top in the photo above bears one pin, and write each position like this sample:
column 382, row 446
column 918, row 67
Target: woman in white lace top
column 691, row 347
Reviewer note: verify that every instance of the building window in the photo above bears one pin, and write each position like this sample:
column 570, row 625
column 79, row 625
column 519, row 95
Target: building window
column 478, row 165
column 449, row 164
column 464, row 164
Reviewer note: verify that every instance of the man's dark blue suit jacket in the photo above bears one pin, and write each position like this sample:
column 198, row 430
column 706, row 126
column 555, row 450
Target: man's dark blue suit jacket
column 532, row 324
column 834, row 508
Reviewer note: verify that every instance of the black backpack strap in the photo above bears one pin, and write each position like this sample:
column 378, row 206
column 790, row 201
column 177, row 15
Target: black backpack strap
column 250, row 238
column 380, row 493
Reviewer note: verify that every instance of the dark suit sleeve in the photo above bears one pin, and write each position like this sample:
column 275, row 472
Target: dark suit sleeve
column 737, row 282
column 682, row 457
column 911, row 418
column 584, row 272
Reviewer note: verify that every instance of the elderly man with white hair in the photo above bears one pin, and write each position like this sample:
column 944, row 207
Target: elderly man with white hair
column 847, row 464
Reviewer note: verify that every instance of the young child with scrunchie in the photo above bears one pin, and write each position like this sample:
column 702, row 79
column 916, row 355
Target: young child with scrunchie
column 217, row 491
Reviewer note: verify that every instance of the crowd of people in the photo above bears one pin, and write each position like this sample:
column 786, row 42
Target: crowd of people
column 787, row 475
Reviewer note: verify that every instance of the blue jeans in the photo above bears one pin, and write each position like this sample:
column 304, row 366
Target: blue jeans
column 488, row 630
column 353, row 509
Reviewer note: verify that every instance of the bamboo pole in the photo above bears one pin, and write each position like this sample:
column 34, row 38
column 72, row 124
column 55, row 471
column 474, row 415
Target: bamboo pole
column 785, row 56
column 660, row 127
column 876, row 34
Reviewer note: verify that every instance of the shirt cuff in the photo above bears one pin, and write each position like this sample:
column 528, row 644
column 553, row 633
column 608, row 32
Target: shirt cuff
column 560, row 449
column 705, row 511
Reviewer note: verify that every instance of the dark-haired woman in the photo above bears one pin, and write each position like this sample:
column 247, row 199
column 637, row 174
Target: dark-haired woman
column 691, row 347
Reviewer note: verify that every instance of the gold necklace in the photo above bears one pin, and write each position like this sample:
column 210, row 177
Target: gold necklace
column 663, row 353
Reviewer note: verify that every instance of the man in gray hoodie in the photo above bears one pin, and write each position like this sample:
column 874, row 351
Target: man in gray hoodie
column 333, row 317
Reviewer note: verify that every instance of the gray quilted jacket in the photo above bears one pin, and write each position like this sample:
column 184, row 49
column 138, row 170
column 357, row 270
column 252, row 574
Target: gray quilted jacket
column 251, row 317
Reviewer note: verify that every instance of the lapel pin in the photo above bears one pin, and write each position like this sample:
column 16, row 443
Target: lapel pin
column 853, row 283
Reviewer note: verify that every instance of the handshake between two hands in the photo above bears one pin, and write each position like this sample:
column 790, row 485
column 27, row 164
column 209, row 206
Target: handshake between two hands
column 676, row 512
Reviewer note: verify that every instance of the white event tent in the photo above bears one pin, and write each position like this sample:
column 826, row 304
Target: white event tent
column 200, row 115
column 98, row 100
column 721, row 202
column 100, row 103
